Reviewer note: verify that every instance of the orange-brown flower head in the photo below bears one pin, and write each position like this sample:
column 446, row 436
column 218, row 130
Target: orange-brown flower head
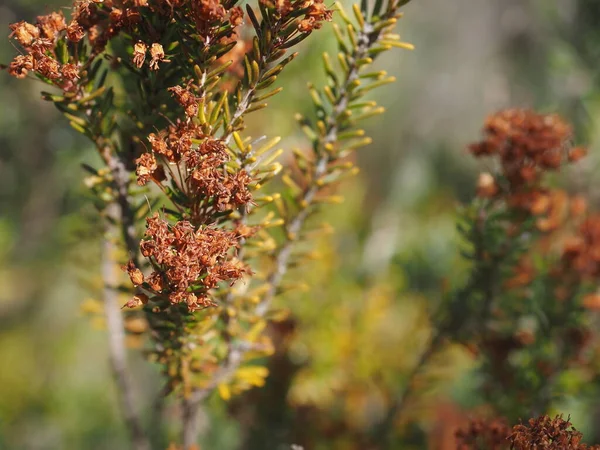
column 48, row 67
column 52, row 24
column 227, row 190
column 116, row 17
column 21, row 65
column 176, row 142
column 208, row 11
column 316, row 13
column 186, row 99
column 553, row 207
column 236, row 16
column 159, row 144
column 137, row 300
column 94, row 34
column 319, row 11
column 156, row 282
column 146, row 167
column 25, row 33
column 576, row 153
column 75, row 32
column 578, row 206
column 158, row 55
column 69, row 72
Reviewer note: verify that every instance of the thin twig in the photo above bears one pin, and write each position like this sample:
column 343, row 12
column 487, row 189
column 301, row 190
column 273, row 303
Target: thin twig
column 365, row 39
column 189, row 418
column 383, row 431
column 116, row 337
column 120, row 183
column 122, row 213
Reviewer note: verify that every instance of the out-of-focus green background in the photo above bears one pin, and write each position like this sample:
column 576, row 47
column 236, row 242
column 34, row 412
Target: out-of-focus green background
column 359, row 329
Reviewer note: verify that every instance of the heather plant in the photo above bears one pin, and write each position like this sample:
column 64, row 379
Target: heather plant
column 526, row 311
column 207, row 221
column 162, row 89
column 532, row 285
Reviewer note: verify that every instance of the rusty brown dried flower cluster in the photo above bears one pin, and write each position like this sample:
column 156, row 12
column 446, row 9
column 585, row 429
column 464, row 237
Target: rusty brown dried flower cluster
column 548, row 434
column 100, row 21
column 38, row 41
column 527, row 145
column 540, row 433
column 201, row 172
column 97, row 20
column 163, row 87
column 316, row 13
column 187, row 263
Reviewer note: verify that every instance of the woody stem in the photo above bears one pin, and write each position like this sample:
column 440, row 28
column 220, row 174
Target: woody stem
column 116, row 336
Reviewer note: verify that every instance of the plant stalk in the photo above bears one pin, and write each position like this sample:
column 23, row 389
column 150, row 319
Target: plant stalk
column 116, row 337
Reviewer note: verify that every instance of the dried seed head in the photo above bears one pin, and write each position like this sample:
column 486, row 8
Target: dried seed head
column 25, row 33
column 139, row 54
column 75, row 32
column 52, row 24
column 137, row 300
column 21, row 65
column 158, row 55
column 146, row 167
column 135, row 274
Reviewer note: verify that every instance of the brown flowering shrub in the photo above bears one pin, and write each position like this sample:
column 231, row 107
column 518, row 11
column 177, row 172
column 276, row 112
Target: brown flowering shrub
column 540, row 433
column 525, row 313
column 162, row 88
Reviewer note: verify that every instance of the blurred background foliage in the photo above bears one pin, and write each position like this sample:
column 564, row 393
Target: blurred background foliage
column 347, row 344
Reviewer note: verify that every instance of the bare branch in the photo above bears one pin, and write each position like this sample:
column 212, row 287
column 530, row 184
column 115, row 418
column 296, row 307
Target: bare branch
column 116, row 338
